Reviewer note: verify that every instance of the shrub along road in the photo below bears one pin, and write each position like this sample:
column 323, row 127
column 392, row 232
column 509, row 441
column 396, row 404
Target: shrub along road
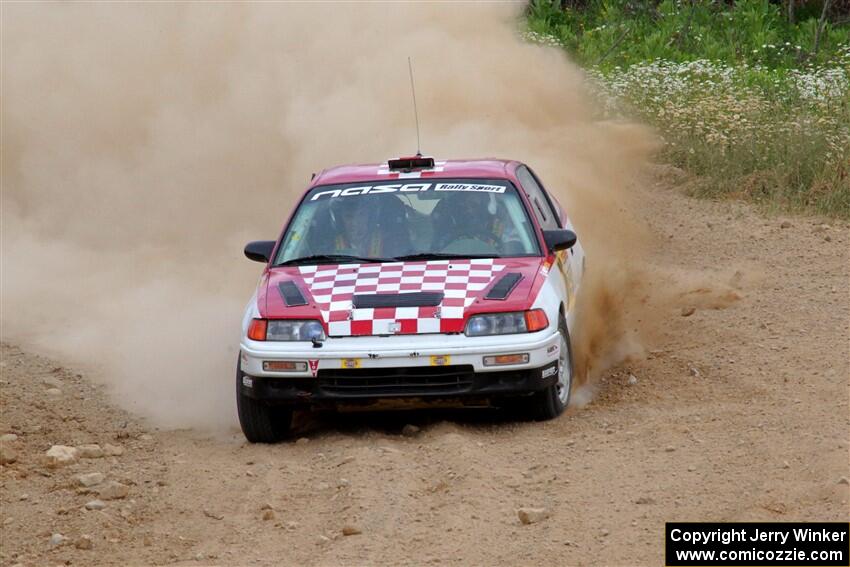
column 739, row 412
column 751, row 96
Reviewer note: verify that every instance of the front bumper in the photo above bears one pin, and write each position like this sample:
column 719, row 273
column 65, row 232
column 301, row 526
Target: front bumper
column 428, row 367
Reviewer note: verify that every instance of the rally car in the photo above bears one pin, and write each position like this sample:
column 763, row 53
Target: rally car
column 409, row 282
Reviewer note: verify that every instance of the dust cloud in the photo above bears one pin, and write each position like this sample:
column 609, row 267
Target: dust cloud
column 143, row 144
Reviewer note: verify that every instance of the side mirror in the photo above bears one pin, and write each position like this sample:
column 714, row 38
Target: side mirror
column 559, row 239
column 260, row 250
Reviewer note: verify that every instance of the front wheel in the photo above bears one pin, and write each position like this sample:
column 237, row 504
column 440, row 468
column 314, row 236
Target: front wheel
column 260, row 422
column 551, row 402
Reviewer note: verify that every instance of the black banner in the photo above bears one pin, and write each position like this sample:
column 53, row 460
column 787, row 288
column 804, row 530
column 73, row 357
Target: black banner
column 758, row 543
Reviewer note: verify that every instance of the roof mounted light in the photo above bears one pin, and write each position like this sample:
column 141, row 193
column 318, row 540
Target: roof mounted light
column 411, row 163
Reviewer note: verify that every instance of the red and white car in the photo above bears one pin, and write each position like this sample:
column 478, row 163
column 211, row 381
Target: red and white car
column 415, row 280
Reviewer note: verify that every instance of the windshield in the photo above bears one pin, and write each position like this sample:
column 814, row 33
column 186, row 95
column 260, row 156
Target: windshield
column 384, row 220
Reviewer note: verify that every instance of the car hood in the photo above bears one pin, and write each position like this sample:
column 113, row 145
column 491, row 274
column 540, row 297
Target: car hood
column 434, row 296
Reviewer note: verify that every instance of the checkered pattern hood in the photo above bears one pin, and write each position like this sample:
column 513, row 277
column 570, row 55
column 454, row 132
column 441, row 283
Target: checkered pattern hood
column 330, row 291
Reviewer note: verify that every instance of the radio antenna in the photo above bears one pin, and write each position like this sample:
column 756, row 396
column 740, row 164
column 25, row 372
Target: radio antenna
column 415, row 111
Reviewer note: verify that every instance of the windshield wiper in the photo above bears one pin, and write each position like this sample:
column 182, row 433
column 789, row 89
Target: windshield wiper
column 443, row 256
column 337, row 258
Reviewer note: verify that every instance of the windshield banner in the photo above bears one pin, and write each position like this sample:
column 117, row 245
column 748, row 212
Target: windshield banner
column 407, row 188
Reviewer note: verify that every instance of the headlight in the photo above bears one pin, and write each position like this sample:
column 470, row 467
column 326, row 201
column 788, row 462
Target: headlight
column 294, row 330
column 506, row 323
column 286, row 330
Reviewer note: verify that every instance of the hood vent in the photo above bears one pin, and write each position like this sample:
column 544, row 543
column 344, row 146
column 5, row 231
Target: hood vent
column 291, row 294
column 419, row 299
column 504, row 286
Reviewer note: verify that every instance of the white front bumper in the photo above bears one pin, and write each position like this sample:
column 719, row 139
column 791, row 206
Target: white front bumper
column 400, row 351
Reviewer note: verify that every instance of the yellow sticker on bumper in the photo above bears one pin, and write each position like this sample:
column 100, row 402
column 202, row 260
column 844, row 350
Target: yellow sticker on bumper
column 350, row 363
column 441, row 360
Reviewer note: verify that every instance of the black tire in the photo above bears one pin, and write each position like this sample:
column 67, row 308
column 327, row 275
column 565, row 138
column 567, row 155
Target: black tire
column 260, row 422
column 546, row 404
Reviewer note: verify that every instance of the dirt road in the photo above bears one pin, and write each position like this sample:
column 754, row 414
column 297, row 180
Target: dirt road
column 737, row 413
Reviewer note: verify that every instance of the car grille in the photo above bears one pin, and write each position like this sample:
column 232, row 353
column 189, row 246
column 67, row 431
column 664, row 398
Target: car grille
column 410, row 381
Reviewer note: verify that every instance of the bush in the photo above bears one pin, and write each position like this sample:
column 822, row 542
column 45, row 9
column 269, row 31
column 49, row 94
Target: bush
column 755, row 125
column 611, row 33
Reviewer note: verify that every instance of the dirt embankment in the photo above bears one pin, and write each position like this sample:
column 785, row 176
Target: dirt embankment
column 738, row 412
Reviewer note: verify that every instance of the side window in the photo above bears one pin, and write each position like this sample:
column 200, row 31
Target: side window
column 539, row 202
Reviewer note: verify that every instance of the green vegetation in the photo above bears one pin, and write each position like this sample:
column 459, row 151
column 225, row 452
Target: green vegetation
column 755, row 104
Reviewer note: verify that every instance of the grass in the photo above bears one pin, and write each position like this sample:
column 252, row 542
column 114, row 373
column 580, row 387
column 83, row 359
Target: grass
column 769, row 122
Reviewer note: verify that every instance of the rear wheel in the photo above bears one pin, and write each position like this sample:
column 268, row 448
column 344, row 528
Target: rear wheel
column 260, row 422
column 551, row 402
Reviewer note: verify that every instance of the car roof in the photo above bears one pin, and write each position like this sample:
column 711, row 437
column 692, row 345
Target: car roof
column 481, row 168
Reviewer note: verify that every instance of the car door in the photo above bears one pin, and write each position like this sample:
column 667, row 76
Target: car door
column 568, row 262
